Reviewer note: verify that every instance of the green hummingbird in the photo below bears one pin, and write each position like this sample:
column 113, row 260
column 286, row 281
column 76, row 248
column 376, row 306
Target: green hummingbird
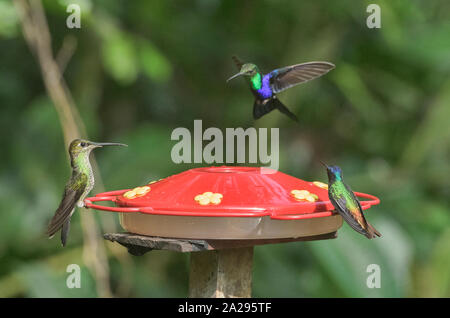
column 265, row 86
column 346, row 203
column 77, row 188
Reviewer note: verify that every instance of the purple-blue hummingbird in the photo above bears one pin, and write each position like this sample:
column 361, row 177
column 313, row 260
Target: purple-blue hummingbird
column 265, row 86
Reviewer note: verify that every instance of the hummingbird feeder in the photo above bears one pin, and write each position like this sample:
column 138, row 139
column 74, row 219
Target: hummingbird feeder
column 227, row 203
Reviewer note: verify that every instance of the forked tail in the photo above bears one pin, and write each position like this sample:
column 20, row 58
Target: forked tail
column 262, row 107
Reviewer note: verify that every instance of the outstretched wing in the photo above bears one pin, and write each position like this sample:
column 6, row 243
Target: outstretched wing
column 72, row 194
column 286, row 77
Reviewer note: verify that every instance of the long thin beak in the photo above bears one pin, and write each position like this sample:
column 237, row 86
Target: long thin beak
column 101, row 144
column 234, row 76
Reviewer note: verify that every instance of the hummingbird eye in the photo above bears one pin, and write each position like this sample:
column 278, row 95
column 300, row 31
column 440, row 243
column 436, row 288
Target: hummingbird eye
column 83, row 144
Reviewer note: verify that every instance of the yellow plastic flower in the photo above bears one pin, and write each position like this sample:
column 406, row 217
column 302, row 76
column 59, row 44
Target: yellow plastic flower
column 208, row 198
column 304, row 195
column 137, row 192
column 151, row 182
column 321, row 185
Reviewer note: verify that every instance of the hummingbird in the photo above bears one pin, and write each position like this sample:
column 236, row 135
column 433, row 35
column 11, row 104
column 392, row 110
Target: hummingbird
column 77, row 188
column 346, row 203
column 265, row 86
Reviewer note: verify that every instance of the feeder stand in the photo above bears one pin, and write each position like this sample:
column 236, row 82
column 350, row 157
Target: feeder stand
column 218, row 268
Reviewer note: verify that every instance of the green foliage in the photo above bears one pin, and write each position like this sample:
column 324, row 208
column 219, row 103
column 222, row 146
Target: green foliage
column 8, row 20
column 119, row 58
column 143, row 68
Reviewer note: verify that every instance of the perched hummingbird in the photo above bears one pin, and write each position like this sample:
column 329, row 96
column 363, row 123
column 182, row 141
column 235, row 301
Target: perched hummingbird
column 265, row 87
column 346, row 203
column 80, row 184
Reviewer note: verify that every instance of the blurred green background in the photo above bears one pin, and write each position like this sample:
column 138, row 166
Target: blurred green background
column 139, row 69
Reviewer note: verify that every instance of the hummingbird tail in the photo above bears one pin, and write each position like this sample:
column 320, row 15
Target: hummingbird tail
column 262, row 107
column 65, row 232
column 372, row 231
column 283, row 109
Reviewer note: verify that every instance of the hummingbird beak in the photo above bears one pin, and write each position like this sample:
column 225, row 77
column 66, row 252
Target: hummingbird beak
column 101, row 144
column 234, row 76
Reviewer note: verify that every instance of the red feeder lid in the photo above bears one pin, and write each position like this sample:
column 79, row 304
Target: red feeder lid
column 226, row 192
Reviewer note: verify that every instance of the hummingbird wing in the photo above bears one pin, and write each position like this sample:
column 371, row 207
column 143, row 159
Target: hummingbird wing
column 370, row 230
column 286, row 77
column 350, row 209
column 72, row 193
column 362, row 220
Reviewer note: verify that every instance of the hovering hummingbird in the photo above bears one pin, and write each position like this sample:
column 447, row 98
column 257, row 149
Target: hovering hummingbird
column 265, row 86
column 346, row 203
column 77, row 188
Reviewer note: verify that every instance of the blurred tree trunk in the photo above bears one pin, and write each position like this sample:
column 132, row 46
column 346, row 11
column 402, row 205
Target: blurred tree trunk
column 37, row 36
